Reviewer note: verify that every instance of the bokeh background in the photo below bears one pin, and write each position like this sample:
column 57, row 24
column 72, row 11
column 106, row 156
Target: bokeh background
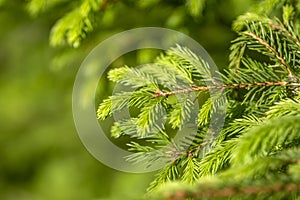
column 41, row 156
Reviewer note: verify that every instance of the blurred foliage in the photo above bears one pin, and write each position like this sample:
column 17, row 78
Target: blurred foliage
column 41, row 154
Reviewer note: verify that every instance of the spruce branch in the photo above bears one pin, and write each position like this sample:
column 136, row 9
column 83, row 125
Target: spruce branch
column 247, row 180
column 160, row 93
column 259, row 144
column 280, row 27
column 249, row 191
column 72, row 28
column 275, row 132
column 272, row 50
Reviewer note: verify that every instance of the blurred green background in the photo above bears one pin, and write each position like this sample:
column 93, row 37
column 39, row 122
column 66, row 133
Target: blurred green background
column 41, row 156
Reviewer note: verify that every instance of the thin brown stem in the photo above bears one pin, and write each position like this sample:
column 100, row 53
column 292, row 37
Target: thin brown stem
column 277, row 26
column 160, row 93
column 271, row 49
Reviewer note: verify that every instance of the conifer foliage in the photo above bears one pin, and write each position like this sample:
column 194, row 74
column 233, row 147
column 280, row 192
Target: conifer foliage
column 257, row 153
column 82, row 17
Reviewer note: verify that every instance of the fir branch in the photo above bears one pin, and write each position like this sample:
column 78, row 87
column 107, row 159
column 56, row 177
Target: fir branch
column 246, row 180
column 160, row 93
column 249, row 191
column 280, row 27
column 75, row 25
column 217, row 159
column 237, row 54
column 206, row 111
column 113, row 103
column 151, row 118
column 241, row 125
column 155, row 74
column 253, row 145
column 272, row 50
column 167, row 174
column 187, row 64
column 124, row 127
column 181, row 111
column 269, row 37
column 271, row 133
column 288, row 107
column 264, row 167
column 191, row 170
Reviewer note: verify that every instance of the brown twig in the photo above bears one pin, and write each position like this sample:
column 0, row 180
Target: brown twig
column 159, row 93
column 277, row 26
column 273, row 51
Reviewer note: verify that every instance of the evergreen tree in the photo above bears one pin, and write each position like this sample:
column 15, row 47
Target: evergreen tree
column 257, row 153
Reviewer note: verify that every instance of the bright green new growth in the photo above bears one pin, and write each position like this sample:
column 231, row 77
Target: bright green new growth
column 74, row 25
column 83, row 16
column 179, row 64
column 256, row 154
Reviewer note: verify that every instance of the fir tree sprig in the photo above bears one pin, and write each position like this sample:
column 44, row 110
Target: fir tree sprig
column 75, row 25
column 259, row 144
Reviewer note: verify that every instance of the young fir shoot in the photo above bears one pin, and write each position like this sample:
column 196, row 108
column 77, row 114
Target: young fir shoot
column 256, row 155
